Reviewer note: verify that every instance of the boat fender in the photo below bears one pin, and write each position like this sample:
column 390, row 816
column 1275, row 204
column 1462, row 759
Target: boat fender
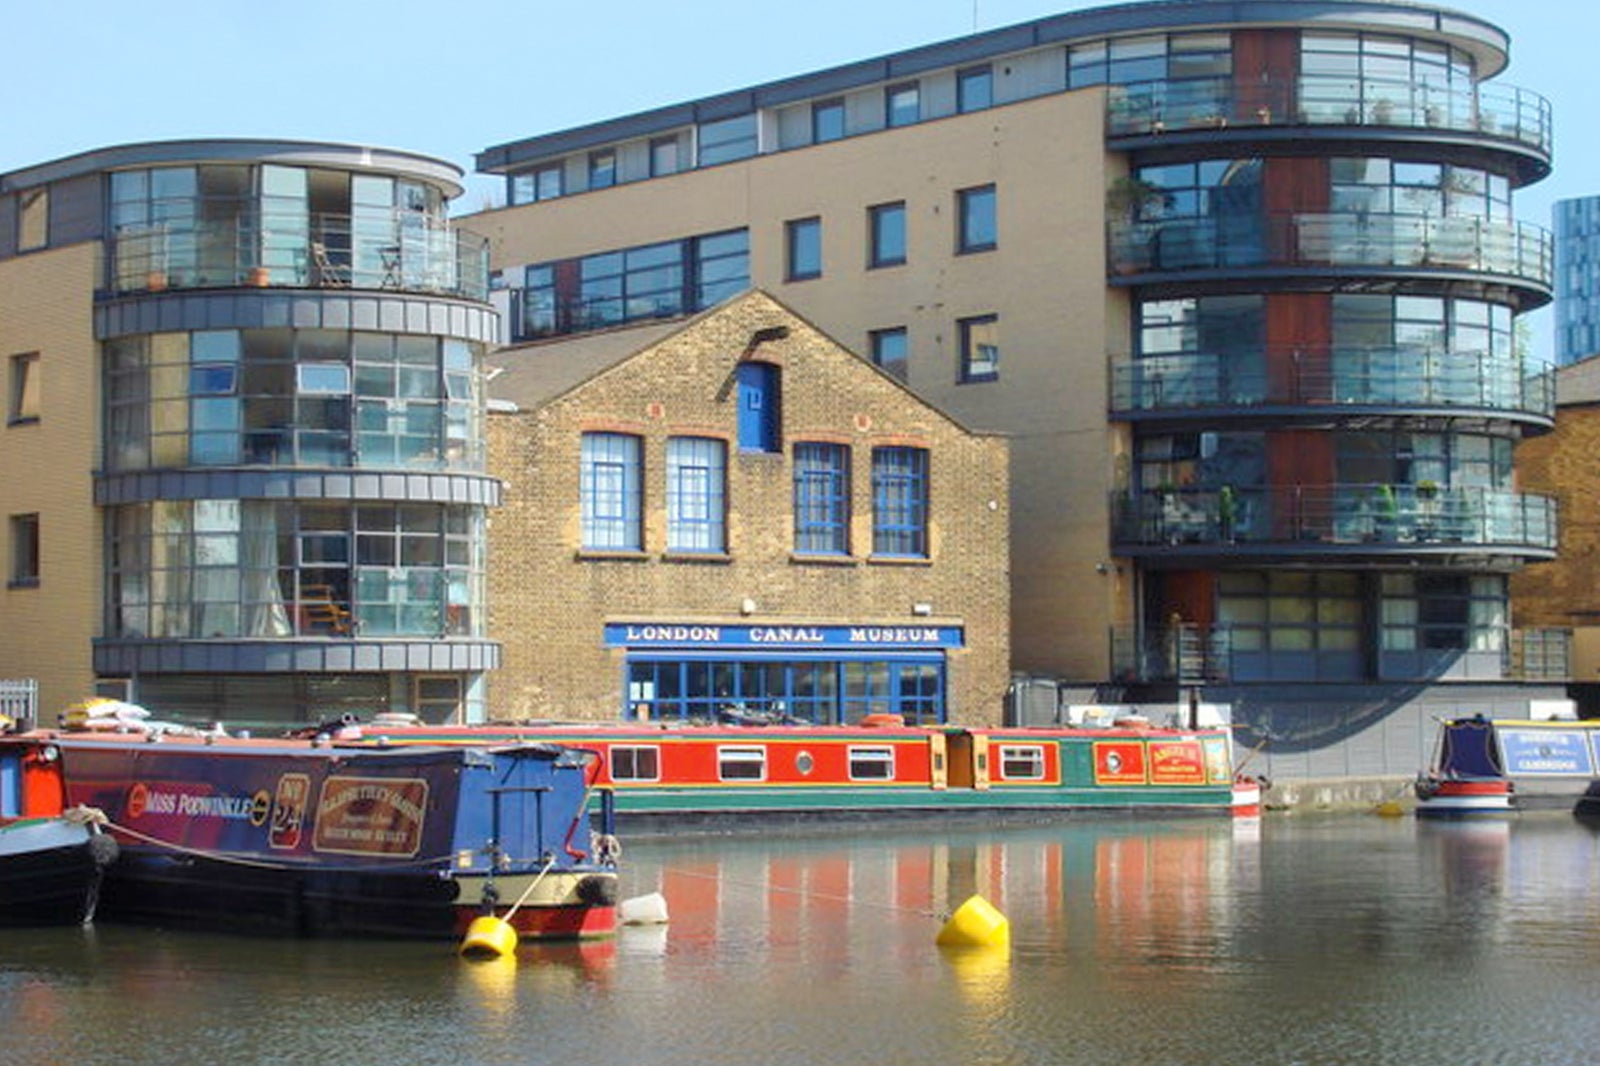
column 598, row 891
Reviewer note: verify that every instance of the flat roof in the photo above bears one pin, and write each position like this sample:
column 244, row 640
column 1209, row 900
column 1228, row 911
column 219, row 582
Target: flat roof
column 1489, row 44
column 438, row 172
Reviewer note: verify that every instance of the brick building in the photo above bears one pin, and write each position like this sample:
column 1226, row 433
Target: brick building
column 736, row 514
column 1562, row 598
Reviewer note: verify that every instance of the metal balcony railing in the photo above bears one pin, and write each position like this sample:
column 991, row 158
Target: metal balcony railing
column 1249, row 240
column 398, row 250
column 1489, row 110
column 1308, row 516
column 1407, row 376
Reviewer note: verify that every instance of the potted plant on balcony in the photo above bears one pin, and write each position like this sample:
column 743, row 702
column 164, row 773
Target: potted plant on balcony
column 1129, row 197
column 1227, row 513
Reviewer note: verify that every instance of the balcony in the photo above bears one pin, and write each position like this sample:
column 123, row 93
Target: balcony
column 1403, row 380
column 1319, row 242
column 1492, row 112
column 1334, row 519
column 390, row 250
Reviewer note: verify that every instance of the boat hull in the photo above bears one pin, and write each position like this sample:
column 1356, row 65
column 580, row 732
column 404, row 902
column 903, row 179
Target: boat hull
column 51, row 871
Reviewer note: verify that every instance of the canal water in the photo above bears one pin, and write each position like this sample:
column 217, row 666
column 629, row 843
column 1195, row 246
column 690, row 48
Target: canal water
column 1303, row 940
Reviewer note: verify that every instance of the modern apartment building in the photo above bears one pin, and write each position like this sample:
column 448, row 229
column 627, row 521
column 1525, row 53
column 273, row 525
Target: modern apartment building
column 735, row 517
column 244, row 471
column 1577, row 281
column 1238, row 280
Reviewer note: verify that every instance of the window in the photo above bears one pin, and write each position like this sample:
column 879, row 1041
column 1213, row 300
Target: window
column 760, row 407
column 664, row 156
column 803, row 243
column 742, row 764
column 887, row 223
column 438, row 699
column 1021, row 762
column 609, row 491
column 827, row 120
column 33, row 219
column 24, row 405
column 24, row 549
column 980, row 348
column 696, row 501
column 902, row 104
column 821, row 499
column 871, row 764
column 629, row 285
column 602, row 169
column 974, row 89
column 900, row 501
column 891, row 350
column 728, row 139
column 635, row 762
column 975, row 214
column 544, row 183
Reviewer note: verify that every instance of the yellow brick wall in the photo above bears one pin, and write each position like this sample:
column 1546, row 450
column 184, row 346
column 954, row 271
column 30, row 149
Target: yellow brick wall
column 548, row 606
column 46, row 468
column 1045, row 281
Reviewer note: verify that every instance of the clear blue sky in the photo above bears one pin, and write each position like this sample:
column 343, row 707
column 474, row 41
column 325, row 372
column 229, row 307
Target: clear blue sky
column 451, row 81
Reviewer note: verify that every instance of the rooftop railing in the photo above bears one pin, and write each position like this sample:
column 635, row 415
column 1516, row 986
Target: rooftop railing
column 1376, row 516
column 401, row 251
column 1347, row 239
column 1488, row 109
column 1409, row 376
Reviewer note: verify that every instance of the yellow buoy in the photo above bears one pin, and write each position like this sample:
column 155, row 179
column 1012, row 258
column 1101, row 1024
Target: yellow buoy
column 1390, row 809
column 976, row 924
column 489, row 937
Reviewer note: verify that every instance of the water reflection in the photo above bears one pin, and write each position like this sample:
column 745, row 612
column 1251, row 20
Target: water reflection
column 1286, row 940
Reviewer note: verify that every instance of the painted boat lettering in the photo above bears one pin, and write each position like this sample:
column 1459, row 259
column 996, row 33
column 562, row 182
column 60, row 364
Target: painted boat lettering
column 370, row 816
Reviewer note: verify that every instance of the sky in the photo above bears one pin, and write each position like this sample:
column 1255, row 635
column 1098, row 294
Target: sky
column 452, row 82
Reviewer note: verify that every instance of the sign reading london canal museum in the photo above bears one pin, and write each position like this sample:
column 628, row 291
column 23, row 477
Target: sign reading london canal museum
column 677, row 635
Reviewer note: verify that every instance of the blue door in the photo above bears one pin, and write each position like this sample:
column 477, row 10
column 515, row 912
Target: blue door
column 759, row 407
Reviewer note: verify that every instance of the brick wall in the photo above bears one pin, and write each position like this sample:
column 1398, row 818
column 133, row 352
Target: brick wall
column 548, row 602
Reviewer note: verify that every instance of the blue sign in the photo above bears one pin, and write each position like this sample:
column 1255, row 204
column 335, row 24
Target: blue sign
column 1550, row 752
column 835, row 638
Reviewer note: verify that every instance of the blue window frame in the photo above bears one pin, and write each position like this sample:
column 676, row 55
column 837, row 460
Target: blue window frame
column 900, row 501
column 887, row 225
column 980, row 348
column 974, row 89
column 727, row 139
column 827, row 120
column 696, row 494
column 609, row 488
column 891, row 350
column 821, row 498
column 820, row 691
column 803, row 249
column 602, row 169
column 760, row 407
column 902, row 104
column 975, row 214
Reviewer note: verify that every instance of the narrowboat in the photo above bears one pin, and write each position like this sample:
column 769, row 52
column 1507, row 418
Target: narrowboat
column 52, row 858
column 668, row 775
column 1495, row 765
column 318, row 838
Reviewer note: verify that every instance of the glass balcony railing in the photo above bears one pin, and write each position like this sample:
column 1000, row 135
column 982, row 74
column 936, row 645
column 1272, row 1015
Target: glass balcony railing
column 1490, row 110
column 396, row 250
column 1332, row 239
column 1376, row 515
column 1402, row 377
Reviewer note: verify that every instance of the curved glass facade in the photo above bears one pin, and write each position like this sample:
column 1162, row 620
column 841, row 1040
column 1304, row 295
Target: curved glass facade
column 293, row 397
column 221, row 225
column 263, row 569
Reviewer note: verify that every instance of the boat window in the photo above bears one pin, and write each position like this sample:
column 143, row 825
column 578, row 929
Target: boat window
column 629, row 763
column 742, row 764
column 871, row 764
column 1021, row 762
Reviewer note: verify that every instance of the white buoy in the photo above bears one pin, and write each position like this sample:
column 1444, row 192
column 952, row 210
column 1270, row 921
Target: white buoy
column 643, row 910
